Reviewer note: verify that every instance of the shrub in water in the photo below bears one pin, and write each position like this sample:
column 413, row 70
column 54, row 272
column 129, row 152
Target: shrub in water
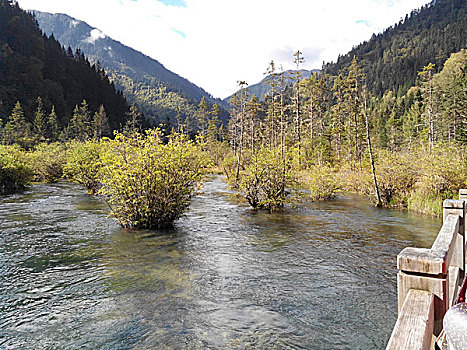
column 15, row 174
column 322, row 182
column 84, row 163
column 48, row 161
column 149, row 184
column 264, row 180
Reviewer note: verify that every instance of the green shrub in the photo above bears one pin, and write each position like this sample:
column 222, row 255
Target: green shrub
column 84, row 163
column 48, row 161
column 426, row 204
column 263, row 182
column 396, row 174
column 443, row 171
column 15, row 173
column 322, row 182
column 149, row 184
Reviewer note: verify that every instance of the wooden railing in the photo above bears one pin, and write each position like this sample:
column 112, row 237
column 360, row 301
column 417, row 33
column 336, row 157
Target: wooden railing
column 428, row 281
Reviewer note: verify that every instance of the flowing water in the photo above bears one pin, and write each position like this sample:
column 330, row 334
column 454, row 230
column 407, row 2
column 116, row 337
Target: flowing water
column 226, row 277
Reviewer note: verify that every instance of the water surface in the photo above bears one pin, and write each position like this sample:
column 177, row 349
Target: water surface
column 226, row 277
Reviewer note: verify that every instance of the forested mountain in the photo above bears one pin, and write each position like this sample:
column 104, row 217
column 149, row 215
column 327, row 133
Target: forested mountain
column 392, row 59
column 33, row 65
column 262, row 88
column 158, row 92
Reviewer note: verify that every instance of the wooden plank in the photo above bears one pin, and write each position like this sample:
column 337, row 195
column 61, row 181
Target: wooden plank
column 420, row 260
column 445, row 243
column 458, row 208
column 462, row 194
column 453, row 204
column 414, row 326
column 454, row 282
column 438, row 286
column 436, row 260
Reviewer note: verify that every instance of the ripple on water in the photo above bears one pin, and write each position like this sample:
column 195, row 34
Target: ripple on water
column 226, row 277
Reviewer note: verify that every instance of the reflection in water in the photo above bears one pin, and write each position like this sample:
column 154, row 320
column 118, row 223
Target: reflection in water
column 226, row 277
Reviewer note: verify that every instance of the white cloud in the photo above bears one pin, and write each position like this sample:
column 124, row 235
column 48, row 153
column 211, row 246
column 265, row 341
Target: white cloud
column 95, row 34
column 224, row 41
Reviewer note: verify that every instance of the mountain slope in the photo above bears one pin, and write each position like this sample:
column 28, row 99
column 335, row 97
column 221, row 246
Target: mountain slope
column 143, row 80
column 33, row 65
column 392, row 59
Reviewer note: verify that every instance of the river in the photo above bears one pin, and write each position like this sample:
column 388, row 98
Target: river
column 226, row 277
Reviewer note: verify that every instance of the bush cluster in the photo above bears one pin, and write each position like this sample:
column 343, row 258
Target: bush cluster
column 83, row 165
column 48, row 161
column 264, row 180
column 147, row 183
column 15, row 172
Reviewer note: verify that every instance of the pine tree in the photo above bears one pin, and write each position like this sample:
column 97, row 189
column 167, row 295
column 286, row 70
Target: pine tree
column 40, row 121
column 426, row 76
column 80, row 127
column 352, row 107
column 133, row 122
column 52, row 126
column 17, row 130
column 101, row 123
column 271, row 109
column 212, row 137
column 242, row 98
column 253, row 110
column 298, row 59
column 451, row 96
column 203, row 116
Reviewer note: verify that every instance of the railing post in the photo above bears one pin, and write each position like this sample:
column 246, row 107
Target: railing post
column 417, row 271
column 437, row 271
column 463, row 194
column 457, row 207
column 429, row 269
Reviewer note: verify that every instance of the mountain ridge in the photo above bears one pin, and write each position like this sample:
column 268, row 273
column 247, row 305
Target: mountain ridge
column 34, row 65
column 143, row 79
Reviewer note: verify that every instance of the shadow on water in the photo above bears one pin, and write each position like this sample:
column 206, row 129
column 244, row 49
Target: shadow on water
column 226, row 277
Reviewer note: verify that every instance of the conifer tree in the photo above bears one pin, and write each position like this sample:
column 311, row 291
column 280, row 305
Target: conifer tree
column 282, row 120
column 40, row 121
column 298, row 59
column 203, row 116
column 241, row 125
column 17, row 130
column 426, row 76
column 253, row 110
column 352, row 107
column 271, row 73
column 101, row 123
column 212, row 137
column 80, row 127
column 52, row 125
column 133, row 122
column 451, row 90
column 338, row 126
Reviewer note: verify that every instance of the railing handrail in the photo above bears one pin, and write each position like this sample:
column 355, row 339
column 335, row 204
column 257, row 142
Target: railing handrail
column 414, row 326
column 437, row 259
column 428, row 280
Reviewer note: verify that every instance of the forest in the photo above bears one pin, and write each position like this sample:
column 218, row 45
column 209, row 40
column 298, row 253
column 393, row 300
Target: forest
column 309, row 138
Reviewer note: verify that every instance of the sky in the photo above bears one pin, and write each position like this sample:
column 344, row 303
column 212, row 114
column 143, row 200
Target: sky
column 215, row 43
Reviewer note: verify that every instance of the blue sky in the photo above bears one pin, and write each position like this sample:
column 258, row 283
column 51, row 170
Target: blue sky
column 215, row 43
column 178, row 3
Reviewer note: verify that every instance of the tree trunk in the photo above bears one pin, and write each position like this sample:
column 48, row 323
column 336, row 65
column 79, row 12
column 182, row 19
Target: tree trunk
column 378, row 197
